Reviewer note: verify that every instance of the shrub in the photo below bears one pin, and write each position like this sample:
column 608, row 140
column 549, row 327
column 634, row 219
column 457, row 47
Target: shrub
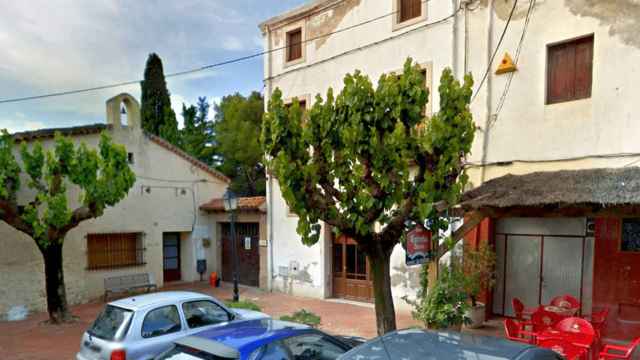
column 478, row 265
column 243, row 304
column 303, row 317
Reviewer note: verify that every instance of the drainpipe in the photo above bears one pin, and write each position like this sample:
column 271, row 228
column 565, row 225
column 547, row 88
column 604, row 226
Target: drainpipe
column 466, row 36
column 268, row 91
column 488, row 99
column 454, row 36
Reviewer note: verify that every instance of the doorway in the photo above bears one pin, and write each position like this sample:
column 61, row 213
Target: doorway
column 536, row 268
column 351, row 273
column 247, row 247
column 171, row 257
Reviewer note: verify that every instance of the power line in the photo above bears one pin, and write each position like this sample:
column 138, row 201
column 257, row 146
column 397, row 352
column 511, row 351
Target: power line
column 505, row 92
column 202, row 68
column 490, row 65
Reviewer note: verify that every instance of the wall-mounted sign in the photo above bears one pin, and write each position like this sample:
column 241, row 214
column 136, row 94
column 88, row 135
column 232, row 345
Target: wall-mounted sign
column 419, row 246
column 247, row 243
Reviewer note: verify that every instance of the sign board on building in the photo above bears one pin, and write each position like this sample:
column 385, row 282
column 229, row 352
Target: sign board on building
column 247, row 243
column 419, row 247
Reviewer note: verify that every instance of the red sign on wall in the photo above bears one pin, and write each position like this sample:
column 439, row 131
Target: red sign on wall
column 419, row 246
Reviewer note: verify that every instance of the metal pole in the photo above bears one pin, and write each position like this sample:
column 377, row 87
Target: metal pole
column 234, row 253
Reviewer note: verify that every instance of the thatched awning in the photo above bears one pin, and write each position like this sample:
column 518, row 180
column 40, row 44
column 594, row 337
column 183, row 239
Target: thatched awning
column 599, row 188
column 255, row 203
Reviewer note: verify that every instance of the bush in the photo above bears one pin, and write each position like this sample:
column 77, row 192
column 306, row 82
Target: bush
column 243, row 304
column 445, row 304
column 303, row 317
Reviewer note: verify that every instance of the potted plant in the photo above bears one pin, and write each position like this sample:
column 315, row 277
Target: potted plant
column 445, row 305
column 478, row 267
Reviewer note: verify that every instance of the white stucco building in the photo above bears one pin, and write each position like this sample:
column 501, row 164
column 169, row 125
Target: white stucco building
column 171, row 217
column 570, row 105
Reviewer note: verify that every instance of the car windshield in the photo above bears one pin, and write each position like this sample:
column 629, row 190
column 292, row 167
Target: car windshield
column 110, row 320
column 179, row 352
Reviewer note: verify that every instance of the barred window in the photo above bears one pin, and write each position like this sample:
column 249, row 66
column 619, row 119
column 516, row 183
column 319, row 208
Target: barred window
column 115, row 250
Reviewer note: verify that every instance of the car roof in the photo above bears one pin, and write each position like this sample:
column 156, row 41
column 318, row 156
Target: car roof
column 164, row 297
column 422, row 344
column 246, row 335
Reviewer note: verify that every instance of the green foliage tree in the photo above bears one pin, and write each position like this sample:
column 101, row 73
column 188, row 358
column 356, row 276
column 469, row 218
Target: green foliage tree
column 157, row 116
column 102, row 176
column 369, row 164
column 196, row 137
column 237, row 137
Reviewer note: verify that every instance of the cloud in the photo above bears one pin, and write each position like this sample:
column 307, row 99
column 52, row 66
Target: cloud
column 176, row 105
column 232, row 43
column 19, row 122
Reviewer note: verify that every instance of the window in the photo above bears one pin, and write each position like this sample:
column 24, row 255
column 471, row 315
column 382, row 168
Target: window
column 630, row 239
column 294, row 44
column 203, row 313
column 313, row 347
column 569, row 70
column 409, row 9
column 110, row 321
column 273, row 351
column 161, row 321
column 130, row 158
column 106, row 251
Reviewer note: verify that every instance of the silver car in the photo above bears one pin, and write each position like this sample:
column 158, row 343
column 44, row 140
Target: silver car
column 141, row 327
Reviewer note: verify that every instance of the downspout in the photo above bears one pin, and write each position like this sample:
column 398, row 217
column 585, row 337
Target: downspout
column 268, row 91
column 488, row 98
column 454, row 36
column 466, row 37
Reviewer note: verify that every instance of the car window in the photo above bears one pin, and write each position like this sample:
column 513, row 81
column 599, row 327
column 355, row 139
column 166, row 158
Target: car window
column 203, row 313
column 313, row 347
column 272, row 351
column 184, row 353
column 161, row 321
column 110, row 320
column 373, row 350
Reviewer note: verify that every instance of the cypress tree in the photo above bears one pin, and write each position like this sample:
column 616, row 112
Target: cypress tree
column 157, row 116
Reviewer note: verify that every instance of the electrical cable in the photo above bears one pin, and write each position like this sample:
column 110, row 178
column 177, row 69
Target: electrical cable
column 503, row 98
column 493, row 56
column 202, row 68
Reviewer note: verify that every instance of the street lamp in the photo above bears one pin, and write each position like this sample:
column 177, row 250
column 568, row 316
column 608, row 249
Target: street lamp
column 230, row 201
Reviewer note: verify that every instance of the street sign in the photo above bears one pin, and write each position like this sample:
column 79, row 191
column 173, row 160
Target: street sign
column 419, row 247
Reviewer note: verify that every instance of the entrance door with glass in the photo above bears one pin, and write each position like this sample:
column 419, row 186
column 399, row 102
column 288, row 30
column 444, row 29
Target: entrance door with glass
column 171, row 256
column 351, row 273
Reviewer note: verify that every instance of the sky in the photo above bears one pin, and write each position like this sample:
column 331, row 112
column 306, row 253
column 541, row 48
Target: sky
column 50, row 46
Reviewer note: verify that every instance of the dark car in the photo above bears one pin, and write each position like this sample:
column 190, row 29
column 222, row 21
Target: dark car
column 263, row 339
column 418, row 344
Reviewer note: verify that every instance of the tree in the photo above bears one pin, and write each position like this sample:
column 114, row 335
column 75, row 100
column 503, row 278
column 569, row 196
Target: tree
column 157, row 116
column 237, row 137
column 102, row 177
column 196, row 137
column 370, row 165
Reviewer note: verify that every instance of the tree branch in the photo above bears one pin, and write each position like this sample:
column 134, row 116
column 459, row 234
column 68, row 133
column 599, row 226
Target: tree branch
column 10, row 213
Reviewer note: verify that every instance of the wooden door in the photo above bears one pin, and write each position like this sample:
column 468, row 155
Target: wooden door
column 247, row 243
column 351, row 273
column 171, row 256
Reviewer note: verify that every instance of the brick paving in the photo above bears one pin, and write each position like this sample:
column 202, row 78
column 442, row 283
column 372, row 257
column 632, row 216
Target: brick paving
column 32, row 339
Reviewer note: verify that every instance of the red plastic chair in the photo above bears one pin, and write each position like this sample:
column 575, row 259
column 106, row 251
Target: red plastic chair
column 519, row 310
column 568, row 350
column 515, row 332
column 599, row 319
column 566, row 301
column 543, row 320
column 619, row 351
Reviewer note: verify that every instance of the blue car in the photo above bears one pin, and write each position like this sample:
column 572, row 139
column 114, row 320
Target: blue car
column 263, row 339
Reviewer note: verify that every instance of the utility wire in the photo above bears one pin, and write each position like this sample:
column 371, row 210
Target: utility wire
column 202, row 68
column 490, row 65
column 505, row 92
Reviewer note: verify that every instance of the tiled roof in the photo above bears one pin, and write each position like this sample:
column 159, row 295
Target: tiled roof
column 97, row 128
column 195, row 162
column 68, row 131
column 254, row 203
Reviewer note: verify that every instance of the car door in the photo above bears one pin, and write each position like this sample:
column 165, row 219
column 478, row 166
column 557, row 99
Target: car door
column 203, row 314
column 160, row 326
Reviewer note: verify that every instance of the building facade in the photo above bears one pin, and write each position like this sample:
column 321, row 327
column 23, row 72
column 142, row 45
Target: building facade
column 554, row 91
column 158, row 228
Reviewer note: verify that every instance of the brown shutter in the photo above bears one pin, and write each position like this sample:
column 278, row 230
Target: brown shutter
column 410, row 9
column 584, row 68
column 112, row 250
column 294, row 44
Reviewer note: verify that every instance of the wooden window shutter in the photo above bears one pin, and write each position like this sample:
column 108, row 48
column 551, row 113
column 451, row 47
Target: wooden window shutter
column 410, row 9
column 294, row 44
column 569, row 70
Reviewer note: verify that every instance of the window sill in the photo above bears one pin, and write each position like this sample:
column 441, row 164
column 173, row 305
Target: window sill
column 294, row 62
column 567, row 101
column 407, row 23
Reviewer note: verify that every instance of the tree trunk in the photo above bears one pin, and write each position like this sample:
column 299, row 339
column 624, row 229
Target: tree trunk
column 379, row 261
column 54, row 278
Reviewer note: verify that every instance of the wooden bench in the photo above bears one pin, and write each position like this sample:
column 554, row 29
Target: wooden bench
column 126, row 283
